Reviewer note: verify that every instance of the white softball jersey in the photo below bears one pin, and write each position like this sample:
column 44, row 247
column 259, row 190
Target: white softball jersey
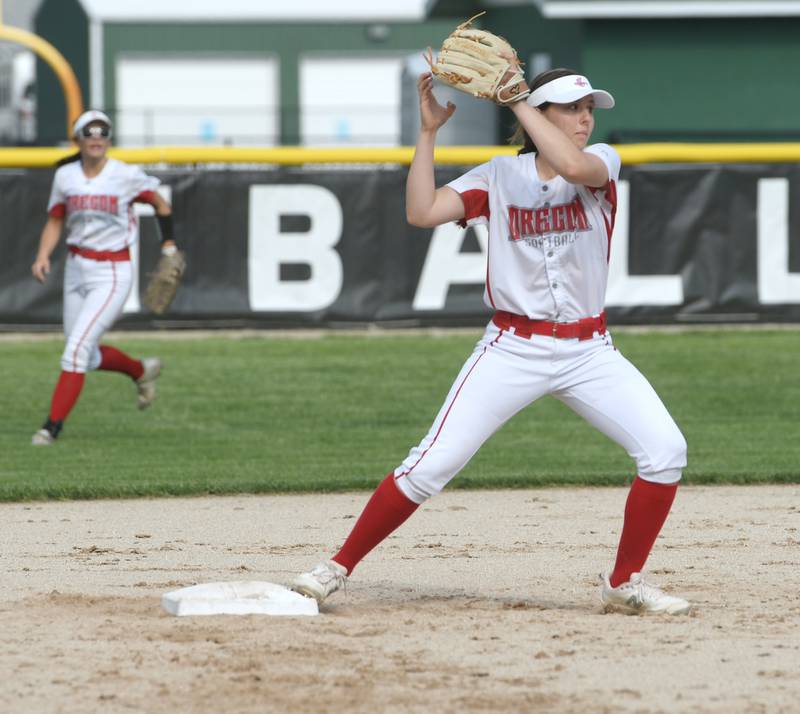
column 98, row 211
column 549, row 241
column 99, row 220
column 548, row 251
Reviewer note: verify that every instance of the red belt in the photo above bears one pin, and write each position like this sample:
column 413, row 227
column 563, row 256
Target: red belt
column 525, row 327
column 113, row 255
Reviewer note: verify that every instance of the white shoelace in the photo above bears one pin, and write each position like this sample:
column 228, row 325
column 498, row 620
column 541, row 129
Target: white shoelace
column 325, row 574
column 644, row 591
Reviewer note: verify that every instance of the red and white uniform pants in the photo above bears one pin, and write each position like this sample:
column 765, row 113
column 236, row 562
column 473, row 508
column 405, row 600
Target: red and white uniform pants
column 95, row 291
column 507, row 372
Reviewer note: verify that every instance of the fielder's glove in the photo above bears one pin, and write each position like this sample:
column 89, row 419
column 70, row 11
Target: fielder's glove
column 165, row 280
column 480, row 63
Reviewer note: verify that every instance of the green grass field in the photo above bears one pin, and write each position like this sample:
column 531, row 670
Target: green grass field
column 265, row 414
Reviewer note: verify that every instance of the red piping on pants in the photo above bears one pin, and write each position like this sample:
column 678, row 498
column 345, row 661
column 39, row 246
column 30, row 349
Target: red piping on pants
column 94, row 319
column 447, row 413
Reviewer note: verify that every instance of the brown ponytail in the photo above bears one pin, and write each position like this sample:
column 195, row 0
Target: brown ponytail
column 520, row 136
column 70, row 158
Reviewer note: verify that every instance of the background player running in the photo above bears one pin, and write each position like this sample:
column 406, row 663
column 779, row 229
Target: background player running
column 550, row 212
column 92, row 203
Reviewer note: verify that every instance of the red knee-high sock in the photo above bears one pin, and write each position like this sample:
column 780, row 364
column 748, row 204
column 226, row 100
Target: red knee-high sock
column 65, row 395
column 115, row 360
column 646, row 510
column 386, row 510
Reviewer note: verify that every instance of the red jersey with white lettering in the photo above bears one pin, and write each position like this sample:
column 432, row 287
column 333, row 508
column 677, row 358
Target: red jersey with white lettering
column 98, row 211
column 549, row 241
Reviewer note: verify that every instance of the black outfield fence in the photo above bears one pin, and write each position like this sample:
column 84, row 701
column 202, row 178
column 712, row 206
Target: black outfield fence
column 329, row 246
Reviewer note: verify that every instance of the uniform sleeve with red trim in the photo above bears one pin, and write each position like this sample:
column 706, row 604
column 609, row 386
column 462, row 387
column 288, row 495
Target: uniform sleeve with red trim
column 57, row 204
column 606, row 196
column 610, row 158
column 473, row 187
column 142, row 185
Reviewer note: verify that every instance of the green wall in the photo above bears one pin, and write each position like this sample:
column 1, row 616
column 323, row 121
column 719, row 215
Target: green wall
column 286, row 41
column 704, row 79
column 673, row 79
column 63, row 24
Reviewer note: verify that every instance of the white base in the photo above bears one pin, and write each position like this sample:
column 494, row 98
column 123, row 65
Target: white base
column 240, row 598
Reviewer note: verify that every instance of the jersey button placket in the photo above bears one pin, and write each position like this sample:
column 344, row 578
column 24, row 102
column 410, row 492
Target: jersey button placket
column 553, row 276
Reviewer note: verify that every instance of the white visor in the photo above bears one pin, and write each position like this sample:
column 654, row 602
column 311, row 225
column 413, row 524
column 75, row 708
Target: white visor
column 88, row 118
column 566, row 90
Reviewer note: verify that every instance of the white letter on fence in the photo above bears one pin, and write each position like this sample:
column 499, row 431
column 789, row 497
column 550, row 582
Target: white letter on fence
column 625, row 290
column 445, row 265
column 268, row 248
column 775, row 283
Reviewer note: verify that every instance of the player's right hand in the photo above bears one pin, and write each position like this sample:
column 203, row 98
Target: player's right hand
column 432, row 114
column 41, row 269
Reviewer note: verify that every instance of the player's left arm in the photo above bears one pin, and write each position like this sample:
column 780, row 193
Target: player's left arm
column 161, row 205
column 145, row 190
column 163, row 210
column 576, row 166
column 166, row 279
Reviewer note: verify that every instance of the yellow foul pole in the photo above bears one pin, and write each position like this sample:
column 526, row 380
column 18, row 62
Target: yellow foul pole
column 48, row 53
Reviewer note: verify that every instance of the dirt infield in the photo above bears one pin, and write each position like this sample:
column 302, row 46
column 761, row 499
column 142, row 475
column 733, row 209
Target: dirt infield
column 484, row 601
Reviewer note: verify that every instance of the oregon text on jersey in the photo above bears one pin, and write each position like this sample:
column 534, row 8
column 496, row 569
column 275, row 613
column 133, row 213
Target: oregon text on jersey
column 537, row 222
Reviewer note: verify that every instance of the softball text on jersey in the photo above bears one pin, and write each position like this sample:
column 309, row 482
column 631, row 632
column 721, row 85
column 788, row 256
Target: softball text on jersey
column 549, row 240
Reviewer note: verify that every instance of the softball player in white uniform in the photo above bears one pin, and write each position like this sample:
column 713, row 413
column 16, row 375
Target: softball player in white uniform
column 92, row 203
column 550, row 212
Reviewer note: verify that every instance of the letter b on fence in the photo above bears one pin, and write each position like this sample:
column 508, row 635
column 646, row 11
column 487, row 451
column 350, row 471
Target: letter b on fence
column 270, row 247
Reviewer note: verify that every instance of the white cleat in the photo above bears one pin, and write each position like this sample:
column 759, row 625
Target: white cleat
column 43, row 438
column 146, row 384
column 322, row 581
column 640, row 597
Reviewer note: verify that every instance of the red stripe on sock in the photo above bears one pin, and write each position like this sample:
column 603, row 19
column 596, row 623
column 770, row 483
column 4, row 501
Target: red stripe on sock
column 115, row 360
column 386, row 510
column 646, row 510
column 65, row 395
